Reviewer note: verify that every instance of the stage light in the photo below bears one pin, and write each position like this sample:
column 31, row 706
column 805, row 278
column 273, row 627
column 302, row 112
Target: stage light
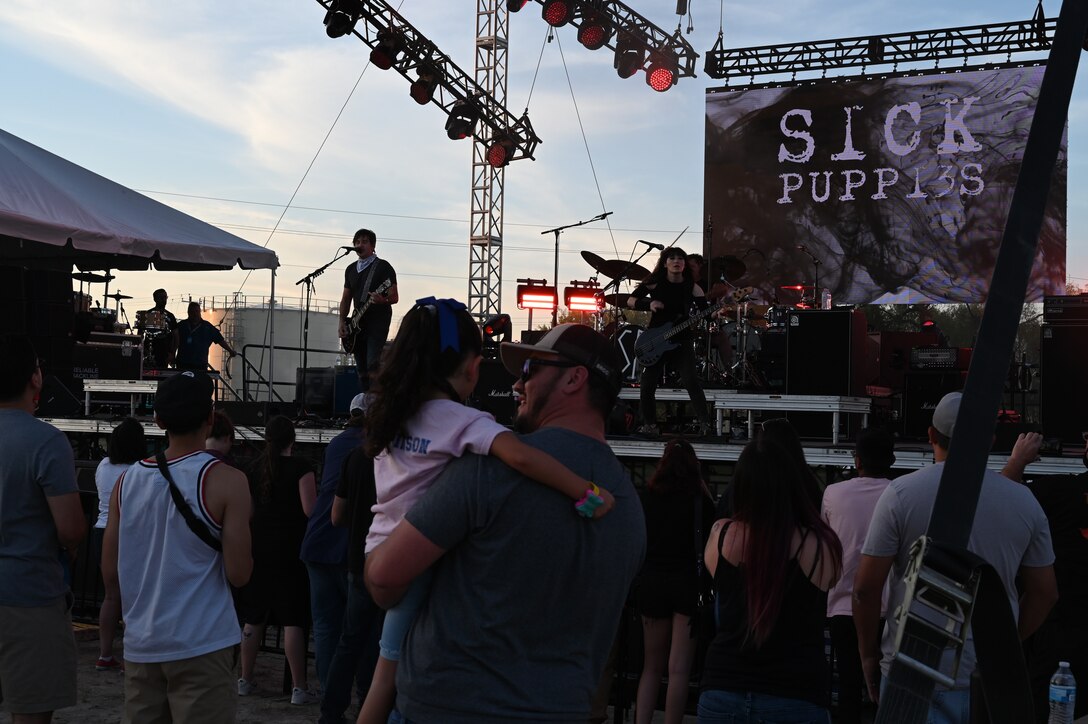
column 496, row 329
column 515, row 5
column 390, row 46
column 341, row 17
column 595, row 30
column 462, row 120
column 422, row 90
column 557, row 13
column 662, row 72
column 536, row 297
column 629, row 56
column 500, row 152
column 581, row 299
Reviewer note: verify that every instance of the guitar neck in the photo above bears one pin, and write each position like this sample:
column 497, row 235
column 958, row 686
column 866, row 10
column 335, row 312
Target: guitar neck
column 691, row 320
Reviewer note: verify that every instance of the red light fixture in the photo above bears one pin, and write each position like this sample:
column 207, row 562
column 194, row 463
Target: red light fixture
column 462, row 120
column 341, row 17
column 500, row 152
column 581, row 299
column 662, row 72
column 557, row 13
column 390, row 46
column 422, row 90
column 595, row 30
column 515, row 5
column 532, row 296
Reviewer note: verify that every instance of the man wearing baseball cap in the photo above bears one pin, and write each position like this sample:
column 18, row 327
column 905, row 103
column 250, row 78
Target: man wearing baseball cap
column 527, row 596
column 176, row 539
column 1010, row 533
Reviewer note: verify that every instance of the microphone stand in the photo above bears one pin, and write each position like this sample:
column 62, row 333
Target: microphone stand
column 555, row 280
column 816, row 274
column 308, row 281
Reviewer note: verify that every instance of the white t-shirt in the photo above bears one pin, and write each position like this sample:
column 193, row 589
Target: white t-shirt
column 105, row 477
column 440, row 431
column 848, row 508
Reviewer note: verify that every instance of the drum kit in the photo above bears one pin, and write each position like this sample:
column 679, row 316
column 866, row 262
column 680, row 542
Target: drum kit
column 98, row 318
column 743, row 321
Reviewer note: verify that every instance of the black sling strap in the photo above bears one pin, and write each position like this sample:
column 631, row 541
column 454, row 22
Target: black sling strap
column 943, row 572
column 196, row 525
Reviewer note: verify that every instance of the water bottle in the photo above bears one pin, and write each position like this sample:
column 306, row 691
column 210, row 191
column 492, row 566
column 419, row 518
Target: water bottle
column 825, row 299
column 1063, row 695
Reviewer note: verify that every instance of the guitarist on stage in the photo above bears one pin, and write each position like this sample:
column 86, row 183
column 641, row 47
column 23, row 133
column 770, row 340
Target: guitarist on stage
column 669, row 293
column 361, row 280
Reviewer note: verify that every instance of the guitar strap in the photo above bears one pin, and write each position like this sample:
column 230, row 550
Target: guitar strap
column 365, row 288
column 1000, row 657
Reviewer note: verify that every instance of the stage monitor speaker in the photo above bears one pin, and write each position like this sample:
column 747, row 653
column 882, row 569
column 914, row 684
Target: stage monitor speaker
column 921, row 393
column 494, row 392
column 1063, row 387
column 345, row 386
column 57, row 400
column 314, row 389
column 825, row 355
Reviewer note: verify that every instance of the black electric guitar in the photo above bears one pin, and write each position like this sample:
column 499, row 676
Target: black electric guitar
column 656, row 341
column 356, row 321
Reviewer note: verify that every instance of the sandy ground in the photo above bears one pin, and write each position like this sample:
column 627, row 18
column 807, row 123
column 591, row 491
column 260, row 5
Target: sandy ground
column 101, row 693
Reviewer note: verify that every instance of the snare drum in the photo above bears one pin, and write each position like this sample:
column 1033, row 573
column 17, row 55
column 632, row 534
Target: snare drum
column 152, row 321
column 626, row 336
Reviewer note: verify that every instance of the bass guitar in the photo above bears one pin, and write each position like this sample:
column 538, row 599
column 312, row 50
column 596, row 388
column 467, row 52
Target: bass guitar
column 656, row 341
column 356, row 321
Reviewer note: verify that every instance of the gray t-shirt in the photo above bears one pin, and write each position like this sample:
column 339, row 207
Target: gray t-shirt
column 1010, row 531
column 525, row 605
column 36, row 463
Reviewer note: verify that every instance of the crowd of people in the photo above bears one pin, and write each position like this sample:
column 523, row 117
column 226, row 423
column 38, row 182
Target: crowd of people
column 457, row 572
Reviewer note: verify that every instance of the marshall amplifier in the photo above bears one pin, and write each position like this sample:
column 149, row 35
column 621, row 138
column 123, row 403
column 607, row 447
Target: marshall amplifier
column 940, row 358
column 494, row 392
column 921, row 393
column 1065, row 310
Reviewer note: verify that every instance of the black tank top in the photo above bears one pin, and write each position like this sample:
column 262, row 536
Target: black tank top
column 791, row 663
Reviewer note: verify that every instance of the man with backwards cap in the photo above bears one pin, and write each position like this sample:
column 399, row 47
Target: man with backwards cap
column 527, row 595
column 181, row 631
column 1010, row 533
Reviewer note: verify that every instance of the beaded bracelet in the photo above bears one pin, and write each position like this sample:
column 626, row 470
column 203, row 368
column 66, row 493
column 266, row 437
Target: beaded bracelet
column 590, row 501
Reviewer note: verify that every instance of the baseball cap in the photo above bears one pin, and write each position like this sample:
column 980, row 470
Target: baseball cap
column 576, row 342
column 359, row 403
column 944, row 415
column 184, row 400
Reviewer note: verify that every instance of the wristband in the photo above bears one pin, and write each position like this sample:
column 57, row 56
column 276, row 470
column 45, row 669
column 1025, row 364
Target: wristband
column 589, row 502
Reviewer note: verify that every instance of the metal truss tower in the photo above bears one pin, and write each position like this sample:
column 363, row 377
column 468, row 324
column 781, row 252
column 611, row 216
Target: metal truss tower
column 485, row 228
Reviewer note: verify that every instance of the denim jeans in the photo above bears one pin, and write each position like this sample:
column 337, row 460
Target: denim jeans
column 356, row 654
column 328, row 597
column 948, row 706
column 746, row 707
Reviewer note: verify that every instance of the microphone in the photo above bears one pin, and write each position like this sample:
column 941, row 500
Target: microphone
column 659, row 247
column 348, row 248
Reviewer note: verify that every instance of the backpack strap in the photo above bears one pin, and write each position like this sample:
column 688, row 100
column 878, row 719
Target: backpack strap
column 196, row 525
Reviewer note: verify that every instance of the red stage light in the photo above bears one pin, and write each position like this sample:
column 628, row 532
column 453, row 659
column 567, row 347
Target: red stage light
column 422, row 90
column 515, row 5
column 580, row 299
column 557, row 13
column 595, row 31
column 536, row 297
column 500, row 152
column 662, row 72
column 389, row 47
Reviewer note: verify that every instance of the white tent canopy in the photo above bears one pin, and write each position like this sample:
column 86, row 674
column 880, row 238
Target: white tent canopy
column 59, row 211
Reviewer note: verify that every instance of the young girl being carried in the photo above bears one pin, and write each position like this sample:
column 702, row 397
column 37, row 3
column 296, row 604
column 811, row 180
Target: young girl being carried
column 418, row 422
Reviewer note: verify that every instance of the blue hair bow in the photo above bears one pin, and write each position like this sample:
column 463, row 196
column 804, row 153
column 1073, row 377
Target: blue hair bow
column 447, row 321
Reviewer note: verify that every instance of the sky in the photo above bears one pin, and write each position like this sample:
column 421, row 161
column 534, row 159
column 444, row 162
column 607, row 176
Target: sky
column 246, row 115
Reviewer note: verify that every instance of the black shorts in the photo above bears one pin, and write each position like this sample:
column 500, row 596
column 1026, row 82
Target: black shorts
column 665, row 591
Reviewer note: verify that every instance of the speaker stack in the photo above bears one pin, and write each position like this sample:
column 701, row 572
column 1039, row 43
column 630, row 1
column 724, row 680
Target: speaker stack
column 494, row 391
column 825, row 355
column 1063, row 345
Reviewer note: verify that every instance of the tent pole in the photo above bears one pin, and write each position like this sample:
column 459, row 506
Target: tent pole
column 272, row 337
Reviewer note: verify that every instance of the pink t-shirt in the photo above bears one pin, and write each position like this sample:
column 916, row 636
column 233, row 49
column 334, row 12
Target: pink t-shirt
column 848, row 508
column 440, row 431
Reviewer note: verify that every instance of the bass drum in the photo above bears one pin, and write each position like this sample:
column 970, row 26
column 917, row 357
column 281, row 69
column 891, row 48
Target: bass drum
column 626, row 336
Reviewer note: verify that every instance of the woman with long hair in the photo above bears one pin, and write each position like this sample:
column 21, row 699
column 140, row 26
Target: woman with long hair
column 669, row 293
column 679, row 512
column 416, row 424
column 773, row 563
column 284, row 490
column 126, row 445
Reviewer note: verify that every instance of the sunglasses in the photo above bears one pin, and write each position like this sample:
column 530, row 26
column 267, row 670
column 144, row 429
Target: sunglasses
column 527, row 368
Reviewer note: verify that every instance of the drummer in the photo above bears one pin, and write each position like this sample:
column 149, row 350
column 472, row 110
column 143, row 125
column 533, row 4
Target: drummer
column 715, row 289
column 158, row 330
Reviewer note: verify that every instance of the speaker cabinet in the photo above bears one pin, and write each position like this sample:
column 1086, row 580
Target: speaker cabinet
column 345, row 386
column 494, row 392
column 895, row 350
column 1063, row 386
column 921, row 393
column 825, row 355
column 314, row 389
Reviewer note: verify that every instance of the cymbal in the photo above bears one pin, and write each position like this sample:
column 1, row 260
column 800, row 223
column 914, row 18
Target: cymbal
column 92, row 278
column 116, row 296
column 619, row 300
column 797, row 287
column 731, row 267
column 615, row 268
